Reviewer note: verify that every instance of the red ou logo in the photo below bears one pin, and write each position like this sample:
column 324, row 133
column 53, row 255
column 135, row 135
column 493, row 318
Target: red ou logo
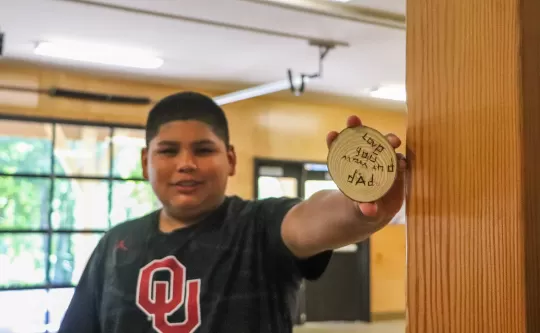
column 159, row 299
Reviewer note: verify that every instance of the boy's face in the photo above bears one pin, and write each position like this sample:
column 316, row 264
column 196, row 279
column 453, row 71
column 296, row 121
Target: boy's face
column 188, row 165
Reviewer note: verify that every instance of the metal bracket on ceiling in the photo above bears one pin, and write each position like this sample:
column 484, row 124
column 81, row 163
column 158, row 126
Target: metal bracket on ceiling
column 1, row 43
column 324, row 48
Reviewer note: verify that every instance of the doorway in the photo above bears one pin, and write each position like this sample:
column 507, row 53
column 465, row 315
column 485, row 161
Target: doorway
column 343, row 292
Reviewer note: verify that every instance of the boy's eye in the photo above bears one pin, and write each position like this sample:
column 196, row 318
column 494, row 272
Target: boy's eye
column 168, row 151
column 204, row 150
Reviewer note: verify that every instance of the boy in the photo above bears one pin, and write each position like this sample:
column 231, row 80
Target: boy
column 207, row 263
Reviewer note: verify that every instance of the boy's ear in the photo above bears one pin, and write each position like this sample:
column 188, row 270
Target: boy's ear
column 144, row 162
column 231, row 157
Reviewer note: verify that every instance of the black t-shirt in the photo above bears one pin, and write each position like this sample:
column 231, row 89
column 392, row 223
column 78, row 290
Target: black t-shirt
column 230, row 273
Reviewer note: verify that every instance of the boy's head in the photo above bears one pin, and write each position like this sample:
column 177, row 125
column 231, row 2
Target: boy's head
column 187, row 106
column 188, row 157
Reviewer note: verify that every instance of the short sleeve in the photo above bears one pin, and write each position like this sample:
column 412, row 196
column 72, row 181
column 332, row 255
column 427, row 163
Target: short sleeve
column 272, row 212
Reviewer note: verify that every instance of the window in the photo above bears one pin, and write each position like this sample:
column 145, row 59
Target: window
column 62, row 185
column 277, row 178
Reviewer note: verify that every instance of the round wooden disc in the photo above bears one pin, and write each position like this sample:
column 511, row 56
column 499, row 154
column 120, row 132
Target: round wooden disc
column 362, row 163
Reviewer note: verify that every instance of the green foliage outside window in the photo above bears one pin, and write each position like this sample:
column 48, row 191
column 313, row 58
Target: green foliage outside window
column 37, row 205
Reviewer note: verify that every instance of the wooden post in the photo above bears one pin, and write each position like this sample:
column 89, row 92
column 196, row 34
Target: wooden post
column 473, row 140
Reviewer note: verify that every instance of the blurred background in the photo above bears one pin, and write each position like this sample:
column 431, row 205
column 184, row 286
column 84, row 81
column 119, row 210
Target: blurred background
column 77, row 78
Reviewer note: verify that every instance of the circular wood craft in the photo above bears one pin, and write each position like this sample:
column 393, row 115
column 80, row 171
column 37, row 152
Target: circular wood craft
column 362, row 163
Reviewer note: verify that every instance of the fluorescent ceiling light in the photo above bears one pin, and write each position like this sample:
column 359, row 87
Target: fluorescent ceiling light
column 99, row 54
column 256, row 91
column 395, row 92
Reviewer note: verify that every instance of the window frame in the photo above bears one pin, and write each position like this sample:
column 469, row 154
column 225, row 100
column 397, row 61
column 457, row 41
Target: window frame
column 49, row 232
column 290, row 168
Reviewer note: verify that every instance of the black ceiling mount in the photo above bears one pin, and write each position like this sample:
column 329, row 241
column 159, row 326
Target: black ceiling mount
column 324, row 48
column 1, row 43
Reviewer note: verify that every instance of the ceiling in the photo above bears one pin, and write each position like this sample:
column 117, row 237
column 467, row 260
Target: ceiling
column 253, row 41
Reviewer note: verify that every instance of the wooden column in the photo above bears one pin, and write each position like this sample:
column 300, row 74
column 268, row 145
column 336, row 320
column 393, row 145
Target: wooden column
column 473, row 83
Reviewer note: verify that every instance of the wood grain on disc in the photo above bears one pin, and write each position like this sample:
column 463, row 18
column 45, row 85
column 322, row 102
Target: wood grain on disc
column 362, row 163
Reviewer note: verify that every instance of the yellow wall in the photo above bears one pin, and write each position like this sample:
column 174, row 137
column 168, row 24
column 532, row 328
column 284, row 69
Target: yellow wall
column 263, row 127
column 388, row 271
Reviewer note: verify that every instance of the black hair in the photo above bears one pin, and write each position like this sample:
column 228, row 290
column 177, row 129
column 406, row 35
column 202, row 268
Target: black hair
column 187, row 106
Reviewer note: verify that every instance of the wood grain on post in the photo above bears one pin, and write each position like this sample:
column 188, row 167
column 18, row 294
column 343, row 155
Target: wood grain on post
column 473, row 144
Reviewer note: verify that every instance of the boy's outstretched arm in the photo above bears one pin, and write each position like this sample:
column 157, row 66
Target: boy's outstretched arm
column 329, row 220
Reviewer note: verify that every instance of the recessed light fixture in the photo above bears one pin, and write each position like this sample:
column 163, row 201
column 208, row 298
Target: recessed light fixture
column 395, row 92
column 99, row 54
